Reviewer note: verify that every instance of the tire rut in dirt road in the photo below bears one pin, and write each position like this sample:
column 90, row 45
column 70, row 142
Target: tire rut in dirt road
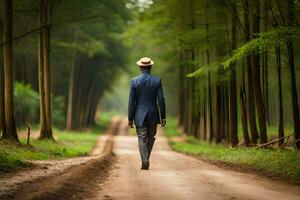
column 76, row 182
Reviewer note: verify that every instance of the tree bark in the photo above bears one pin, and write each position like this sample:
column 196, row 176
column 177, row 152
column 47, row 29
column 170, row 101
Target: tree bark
column 251, row 103
column 256, row 79
column 266, row 66
column 10, row 125
column 291, row 59
column 280, row 119
column 243, row 109
column 2, row 110
column 44, row 73
column 218, row 130
column 233, row 96
column 47, row 70
column 70, row 104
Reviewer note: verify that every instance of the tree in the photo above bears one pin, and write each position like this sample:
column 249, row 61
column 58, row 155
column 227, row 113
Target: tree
column 251, row 102
column 2, row 111
column 10, row 125
column 44, row 72
column 232, row 89
column 291, row 61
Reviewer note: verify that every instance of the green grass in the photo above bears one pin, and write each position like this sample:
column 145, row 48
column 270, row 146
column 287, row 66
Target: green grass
column 68, row 144
column 171, row 128
column 272, row 162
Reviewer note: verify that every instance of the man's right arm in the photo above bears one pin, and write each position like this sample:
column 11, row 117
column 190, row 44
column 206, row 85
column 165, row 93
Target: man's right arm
column 131, row 104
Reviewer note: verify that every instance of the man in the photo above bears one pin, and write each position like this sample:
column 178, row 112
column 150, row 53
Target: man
column 147, row 108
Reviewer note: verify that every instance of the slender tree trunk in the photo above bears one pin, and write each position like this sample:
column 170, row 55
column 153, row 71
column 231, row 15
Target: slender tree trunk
column 205, row 116
column 256, row 80
column 2, row 109
column 251, row 103
column 211, row 124
column 219, row 130
column 244, row 110
column 10, row 125
column 266, row 66
column 41, row 63
column 291, row 59
column 181, row 102
column 210, row 112
column 233, row 96
column 70, row 106
column 280, row 121
column 47, row 71
column 225, row 112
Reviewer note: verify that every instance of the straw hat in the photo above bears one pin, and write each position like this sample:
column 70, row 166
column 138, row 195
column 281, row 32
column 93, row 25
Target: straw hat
column 145, row 61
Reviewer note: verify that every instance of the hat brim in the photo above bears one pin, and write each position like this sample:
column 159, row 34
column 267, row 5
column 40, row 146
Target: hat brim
column 139, row 63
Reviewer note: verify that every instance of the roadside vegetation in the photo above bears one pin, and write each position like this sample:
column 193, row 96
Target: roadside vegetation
column 67, row 144
column 284, row 163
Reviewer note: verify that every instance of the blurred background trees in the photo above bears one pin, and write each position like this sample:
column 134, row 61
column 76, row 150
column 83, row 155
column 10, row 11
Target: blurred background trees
column 67, row 53
column 234, row 63
column 230, row 68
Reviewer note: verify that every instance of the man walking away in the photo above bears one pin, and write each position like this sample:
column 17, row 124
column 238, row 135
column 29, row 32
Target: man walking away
column 146, row 107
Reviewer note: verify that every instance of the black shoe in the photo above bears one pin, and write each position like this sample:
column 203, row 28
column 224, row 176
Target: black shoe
column 145, row 166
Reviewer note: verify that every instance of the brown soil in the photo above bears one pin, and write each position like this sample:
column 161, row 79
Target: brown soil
column 75, row 178
column 172, row 175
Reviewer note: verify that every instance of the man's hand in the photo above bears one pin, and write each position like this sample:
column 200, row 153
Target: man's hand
column 130, row 124
column 163, row 122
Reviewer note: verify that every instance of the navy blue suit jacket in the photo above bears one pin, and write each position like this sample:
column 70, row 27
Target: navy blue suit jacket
column 146, row 104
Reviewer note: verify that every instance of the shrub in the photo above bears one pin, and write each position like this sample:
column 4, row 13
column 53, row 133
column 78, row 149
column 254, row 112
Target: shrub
column 58, row 111
column 26, row 102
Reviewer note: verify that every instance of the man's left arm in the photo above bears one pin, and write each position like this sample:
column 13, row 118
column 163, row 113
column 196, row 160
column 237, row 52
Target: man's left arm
column 161, row 103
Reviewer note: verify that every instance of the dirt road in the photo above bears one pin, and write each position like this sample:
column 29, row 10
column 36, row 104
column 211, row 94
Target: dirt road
column 177, row 176
column 106, row 176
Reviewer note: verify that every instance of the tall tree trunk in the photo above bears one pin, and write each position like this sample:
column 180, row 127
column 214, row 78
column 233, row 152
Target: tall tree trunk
column 232, row 96
column 218, row 130
column 211, row 124
column 70, row 104
column 243, row 110
column 280, row 120
column 2, row 110
column 47, row 71
column 10, row 125
column 41, row 63
column 251, row 103
column 210, row 113
column 266, row 67
column 256, row 79
column 205, row 115
column 181, row 102
column 225, row 112
column 290, row 48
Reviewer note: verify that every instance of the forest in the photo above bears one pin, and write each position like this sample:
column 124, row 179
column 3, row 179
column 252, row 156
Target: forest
column 235, row 64
column 231, row 66
column 229, row 69
column 58, row 60
column 235, row 67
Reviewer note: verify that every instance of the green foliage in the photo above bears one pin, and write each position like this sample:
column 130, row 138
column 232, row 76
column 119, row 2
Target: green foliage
column 26, row 102
column 171, row 128
column 91, row 47
column 264, row 41
column 58, row 111
column 202, row 71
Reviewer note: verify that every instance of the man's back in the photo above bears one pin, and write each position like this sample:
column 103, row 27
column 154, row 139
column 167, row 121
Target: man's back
column 145, row 92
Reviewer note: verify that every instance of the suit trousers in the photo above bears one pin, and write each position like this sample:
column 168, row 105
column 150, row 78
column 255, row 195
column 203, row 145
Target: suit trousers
column 146, row 137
